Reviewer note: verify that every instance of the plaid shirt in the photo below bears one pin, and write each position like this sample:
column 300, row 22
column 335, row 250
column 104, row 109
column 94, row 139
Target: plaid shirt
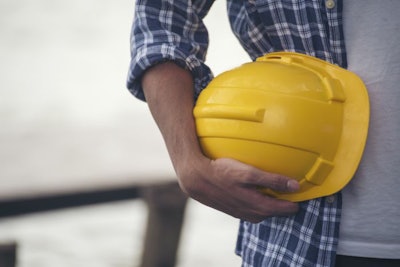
column 173, row 30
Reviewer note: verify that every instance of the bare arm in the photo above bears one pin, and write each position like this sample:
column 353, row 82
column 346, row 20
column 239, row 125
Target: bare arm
column 224, row 184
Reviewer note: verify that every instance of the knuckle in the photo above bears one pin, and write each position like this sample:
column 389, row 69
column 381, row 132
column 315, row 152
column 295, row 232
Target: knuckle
column 248, row 177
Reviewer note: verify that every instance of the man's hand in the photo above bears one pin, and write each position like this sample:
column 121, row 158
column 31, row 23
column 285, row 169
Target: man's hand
column 233, row 187
column 224, row 184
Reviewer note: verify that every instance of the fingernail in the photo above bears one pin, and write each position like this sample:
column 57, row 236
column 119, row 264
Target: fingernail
column 293, row 185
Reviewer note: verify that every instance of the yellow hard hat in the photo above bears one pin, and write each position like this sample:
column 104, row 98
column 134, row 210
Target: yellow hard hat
column 291, row 114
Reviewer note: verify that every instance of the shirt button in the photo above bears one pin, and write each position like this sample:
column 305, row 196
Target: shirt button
column 330, row 4
column 330, row 199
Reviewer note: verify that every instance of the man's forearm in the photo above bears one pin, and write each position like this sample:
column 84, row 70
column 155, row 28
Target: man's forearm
column 169, row 93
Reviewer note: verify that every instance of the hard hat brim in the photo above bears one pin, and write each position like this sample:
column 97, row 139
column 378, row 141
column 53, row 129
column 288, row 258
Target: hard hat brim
column 353, row 138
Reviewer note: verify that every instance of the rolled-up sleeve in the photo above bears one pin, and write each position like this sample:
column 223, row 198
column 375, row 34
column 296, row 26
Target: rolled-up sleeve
column 166, row 30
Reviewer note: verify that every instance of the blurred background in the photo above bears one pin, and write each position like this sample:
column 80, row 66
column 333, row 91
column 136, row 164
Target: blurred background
column 68, row 123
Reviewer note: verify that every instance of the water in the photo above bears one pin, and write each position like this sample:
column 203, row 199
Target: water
column 68, row 122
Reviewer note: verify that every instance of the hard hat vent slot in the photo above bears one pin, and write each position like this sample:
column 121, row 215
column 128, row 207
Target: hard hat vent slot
column 319, row 171
column 334, row 89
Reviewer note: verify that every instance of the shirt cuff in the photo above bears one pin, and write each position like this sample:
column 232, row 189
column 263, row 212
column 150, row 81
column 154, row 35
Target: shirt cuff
column 149, row 56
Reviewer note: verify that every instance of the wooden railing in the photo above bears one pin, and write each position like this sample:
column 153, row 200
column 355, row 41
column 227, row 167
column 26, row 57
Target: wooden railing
column 165, row 201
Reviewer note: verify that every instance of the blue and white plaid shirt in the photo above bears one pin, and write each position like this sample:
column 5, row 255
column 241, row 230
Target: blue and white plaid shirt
column 173, row 30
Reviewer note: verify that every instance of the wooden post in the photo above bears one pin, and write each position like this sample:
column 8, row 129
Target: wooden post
column 8, row 254
column 166, row 208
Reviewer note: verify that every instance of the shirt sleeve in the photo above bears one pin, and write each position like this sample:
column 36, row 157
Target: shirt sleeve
column 169, row 30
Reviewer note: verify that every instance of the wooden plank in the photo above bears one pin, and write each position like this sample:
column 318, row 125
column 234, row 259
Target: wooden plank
column 21, row 206
column 53, row 201
column 166, row 204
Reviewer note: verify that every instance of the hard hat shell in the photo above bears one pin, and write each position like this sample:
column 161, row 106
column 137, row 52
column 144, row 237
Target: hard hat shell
column 291, row 114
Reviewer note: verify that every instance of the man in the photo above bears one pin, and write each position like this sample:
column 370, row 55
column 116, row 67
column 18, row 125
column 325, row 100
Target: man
column 169, row 43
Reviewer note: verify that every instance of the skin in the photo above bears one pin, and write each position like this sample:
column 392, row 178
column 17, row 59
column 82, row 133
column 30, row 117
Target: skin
column 223, row 184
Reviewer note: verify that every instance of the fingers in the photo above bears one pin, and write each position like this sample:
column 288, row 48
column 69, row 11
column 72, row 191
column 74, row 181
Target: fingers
column 249, row 204
column 255, row 177
column 260, row 206
column 246, row 201
column 233, row 188
column 257, row 211
column 247, row 207
column 272, row 181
